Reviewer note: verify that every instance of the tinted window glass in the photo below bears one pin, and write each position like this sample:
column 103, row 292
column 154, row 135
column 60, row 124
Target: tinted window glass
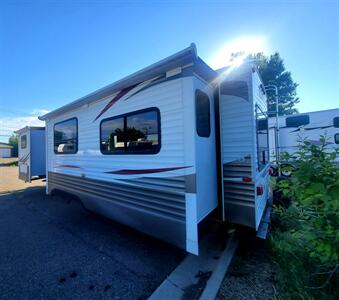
column 142, row 132
column 262, row 138
column 133, row 133
column 262, row 124
column 66, row 137
column 336, row 138
column 112, row 139
column 297, row 121
column 202, row 107
column 336, row 122
column 23, row 141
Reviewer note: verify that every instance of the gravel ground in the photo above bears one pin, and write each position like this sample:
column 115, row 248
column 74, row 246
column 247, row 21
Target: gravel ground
column 9, row 181
column 252, row 274
column 51, row 248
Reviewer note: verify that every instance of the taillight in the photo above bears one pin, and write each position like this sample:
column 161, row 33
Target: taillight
column 246, row 179
column 260, row 190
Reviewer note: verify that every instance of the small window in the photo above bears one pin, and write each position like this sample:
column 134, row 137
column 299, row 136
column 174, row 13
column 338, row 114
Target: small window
column 23, row 141
column 66, row 137
column 297, row 121
column 202, row 111
column 132, row 133
column 336, row 138
column 336, row 122
column 262, row 124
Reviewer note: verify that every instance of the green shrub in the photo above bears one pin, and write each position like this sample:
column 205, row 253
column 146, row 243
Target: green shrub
column 305, row 237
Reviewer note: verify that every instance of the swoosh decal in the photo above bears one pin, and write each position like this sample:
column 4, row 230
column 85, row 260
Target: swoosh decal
column 134, row 89
column 24, row 159
column 68, row 166
column 310, row 128
column 122, row 93
column 145, row 171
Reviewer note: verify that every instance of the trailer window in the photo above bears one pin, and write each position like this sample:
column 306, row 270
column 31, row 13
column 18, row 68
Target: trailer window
column 336, row 138
column 262, row 138
column 336, row 122
column 66, row 137
column 202, row 112
column 297, row 121
column 132, row 133
column 23, row 141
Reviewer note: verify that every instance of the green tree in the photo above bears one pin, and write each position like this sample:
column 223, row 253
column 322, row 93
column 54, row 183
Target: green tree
column 13, row 141
column 272, row 71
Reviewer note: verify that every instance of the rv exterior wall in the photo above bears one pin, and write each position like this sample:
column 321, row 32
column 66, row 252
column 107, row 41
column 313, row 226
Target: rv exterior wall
column 261, row 176
column 320, row 123
column 24, row 152
column 239, row 98
column 206, row 178
column 158, row 190
column 38, row 154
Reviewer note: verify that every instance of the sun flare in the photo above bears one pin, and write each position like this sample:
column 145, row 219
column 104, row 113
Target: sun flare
column 243, row 46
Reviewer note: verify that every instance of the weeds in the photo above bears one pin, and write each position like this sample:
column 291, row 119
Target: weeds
column 305, row 238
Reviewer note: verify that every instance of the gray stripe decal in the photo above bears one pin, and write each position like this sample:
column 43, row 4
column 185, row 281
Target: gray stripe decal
column 154, row 206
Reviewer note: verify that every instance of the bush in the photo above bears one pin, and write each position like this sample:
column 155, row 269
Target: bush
column 305, row 238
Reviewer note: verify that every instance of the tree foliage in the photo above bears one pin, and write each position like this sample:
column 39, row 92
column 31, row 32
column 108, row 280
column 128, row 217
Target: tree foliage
column 272, row 71
column 13, row 141
column 306, row 239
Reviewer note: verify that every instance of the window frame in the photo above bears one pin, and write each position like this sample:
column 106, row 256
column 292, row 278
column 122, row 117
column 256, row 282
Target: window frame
column 24, row 135
column 336, row 122
column 295, row 117
column 124, row 116
column 77, row 137
column 267, row 160
column 197, row 91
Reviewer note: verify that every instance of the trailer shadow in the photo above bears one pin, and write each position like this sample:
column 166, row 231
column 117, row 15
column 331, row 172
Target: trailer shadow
column 56, row 247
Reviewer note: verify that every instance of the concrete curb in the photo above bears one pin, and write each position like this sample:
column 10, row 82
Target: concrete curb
column 214, row 283
column 200, row 276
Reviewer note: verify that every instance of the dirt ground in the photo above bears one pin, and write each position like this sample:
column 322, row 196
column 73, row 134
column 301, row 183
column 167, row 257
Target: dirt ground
column 252, row 275
column 9, row 181
column 7, row 160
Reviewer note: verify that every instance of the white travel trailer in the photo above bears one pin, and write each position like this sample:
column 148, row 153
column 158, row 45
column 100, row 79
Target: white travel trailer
column 31, row 152
column 154, row 150
column 5, row 150
column 310, row 126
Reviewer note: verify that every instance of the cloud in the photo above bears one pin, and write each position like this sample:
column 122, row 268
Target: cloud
column 9, row 124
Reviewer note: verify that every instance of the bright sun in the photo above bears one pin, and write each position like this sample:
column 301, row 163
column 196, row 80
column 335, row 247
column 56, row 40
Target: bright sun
column 245, row 45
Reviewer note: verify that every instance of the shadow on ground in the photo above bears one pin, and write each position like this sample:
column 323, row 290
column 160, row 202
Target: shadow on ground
column 51, row 247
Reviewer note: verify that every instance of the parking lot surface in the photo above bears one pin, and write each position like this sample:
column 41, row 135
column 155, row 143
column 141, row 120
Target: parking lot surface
column 52, row 248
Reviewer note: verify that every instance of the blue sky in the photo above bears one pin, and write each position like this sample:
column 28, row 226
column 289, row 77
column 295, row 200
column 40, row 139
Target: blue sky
column 53, row 52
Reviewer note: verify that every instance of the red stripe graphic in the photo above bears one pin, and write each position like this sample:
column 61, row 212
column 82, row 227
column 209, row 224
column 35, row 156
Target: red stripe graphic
column 122, row 93
column 145, row 171
column 68, row 166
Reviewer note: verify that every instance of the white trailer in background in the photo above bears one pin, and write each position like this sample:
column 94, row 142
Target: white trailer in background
column 308, row 126
column 31, row 152
column 164, row 147
column 5, row 150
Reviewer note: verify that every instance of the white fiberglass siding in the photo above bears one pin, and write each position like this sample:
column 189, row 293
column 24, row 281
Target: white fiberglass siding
column 166, row 96
column 262, row 177
column 236, row 128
